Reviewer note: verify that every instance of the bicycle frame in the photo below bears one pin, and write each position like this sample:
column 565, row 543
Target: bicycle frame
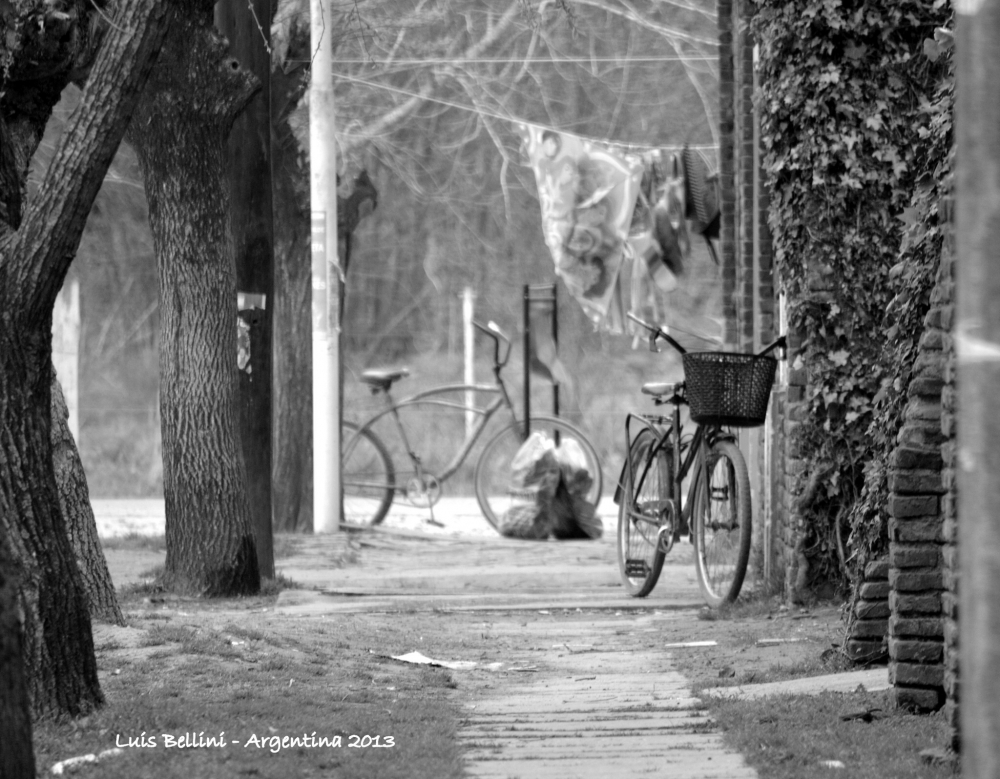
column 430, row 397
column 684, row 457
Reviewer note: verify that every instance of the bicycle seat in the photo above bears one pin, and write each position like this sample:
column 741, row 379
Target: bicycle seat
column 659, row 389
column 382, row 379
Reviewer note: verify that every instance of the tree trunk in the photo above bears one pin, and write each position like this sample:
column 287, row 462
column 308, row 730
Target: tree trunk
column 74, row 503
column 58, row 645
column 17, row 760
column 179, row 131
column 247, row 26
column 292, row 464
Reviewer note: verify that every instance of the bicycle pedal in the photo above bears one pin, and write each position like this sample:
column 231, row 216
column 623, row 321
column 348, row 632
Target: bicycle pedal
column 636, row 569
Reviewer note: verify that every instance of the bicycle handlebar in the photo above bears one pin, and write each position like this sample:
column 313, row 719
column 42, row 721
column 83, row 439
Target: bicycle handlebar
column 781, row 343
column 494, row 332
column 657, row 331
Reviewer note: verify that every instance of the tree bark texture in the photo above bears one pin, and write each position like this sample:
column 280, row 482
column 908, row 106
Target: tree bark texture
column 247, row 25
column 292, row 310
column 74, row 503
column 17, row 759
column 58, row 644
column 179, row 131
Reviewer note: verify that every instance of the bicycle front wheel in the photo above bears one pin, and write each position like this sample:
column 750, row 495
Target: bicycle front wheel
column 645, row 501
column 367, row 477
column 493, row 471
column 722, row 527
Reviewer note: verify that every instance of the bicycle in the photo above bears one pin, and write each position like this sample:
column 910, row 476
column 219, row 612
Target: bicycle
column 370, row 477
column 723, row 390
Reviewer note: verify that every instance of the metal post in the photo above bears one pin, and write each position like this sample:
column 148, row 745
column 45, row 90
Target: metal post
column 470, row 356
column 555, row 340
column 325, row 275
column 977, row 344
column 527, row 360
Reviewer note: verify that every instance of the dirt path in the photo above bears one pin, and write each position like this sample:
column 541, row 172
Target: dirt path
column 586, row 683
column 559, row 673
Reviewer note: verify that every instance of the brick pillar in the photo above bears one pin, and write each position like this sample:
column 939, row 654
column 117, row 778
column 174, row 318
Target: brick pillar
column 727, row 161
column 866, row 642
column 796, row 408
column 943, row 317
column 743, row 293
column 922, row 625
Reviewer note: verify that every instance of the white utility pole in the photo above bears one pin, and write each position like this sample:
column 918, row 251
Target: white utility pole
column 470, row 358
column 325, row 275
column 977, row 342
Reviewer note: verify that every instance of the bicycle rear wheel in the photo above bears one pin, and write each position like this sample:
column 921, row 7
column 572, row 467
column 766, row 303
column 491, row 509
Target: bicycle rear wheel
column 493, row 472
column 722, row 524
column 645, row 501
column 367, row 477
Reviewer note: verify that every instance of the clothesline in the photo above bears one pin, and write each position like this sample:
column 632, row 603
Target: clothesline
column 636, row 147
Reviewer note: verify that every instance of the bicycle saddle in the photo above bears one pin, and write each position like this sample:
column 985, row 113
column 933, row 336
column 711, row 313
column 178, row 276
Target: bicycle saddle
column 383, row 379
column 659, row 389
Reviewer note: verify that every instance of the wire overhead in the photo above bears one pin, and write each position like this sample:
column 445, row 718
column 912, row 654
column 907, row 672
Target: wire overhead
column 503, row 117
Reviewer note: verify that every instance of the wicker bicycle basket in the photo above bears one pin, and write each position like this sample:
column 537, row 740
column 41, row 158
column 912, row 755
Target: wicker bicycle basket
column 728, row 389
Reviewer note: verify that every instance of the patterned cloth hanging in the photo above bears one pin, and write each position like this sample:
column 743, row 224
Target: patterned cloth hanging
column 587, row 192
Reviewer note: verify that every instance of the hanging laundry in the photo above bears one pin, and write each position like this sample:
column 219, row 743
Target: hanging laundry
column 587, row 192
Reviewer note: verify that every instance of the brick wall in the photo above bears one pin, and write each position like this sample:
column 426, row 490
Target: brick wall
column 919, row 550
column 747, row 282
column 943, row 317
column 727, row 165
column 869, row 626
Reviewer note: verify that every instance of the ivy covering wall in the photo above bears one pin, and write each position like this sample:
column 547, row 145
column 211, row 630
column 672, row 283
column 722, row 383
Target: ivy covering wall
column 855, row 107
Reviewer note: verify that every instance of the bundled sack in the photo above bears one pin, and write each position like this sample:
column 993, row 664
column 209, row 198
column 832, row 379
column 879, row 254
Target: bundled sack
column 573, row 515
column 534, row 480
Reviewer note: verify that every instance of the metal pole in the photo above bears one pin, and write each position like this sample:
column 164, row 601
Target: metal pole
column 977, row 343
column 527, row 360
column 470, row 356
column 325, row 275
column 555, row 340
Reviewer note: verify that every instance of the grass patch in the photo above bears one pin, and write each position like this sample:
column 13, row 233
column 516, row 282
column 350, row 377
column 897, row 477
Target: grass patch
column 273, row 587
column 262, row 680
column 134, row 542
column 791, row 737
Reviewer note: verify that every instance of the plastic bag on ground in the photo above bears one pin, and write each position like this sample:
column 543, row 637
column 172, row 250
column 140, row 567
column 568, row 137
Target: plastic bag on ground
column 534, row 480
column 573, row 515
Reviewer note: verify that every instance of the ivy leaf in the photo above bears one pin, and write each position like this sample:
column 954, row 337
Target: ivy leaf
column 932, row 50
column 831, row 76
column 839, row 358
column 909, row 217
column 854, row 51
column 874, row 122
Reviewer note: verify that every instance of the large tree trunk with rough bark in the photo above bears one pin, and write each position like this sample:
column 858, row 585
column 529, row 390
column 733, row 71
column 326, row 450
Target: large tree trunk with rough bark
column 17, row 760
column 179, row 132
column 74, row 503
column 58, row 652
column 247, row 24
column 292, row 312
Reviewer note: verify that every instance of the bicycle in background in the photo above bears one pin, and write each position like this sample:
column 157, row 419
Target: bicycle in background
column 372, row 479
column 723, row 390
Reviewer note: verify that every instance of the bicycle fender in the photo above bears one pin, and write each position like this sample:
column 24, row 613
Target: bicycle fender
column 717, row 434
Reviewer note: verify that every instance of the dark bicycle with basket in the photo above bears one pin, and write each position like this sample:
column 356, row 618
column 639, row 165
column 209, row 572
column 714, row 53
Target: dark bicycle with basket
column 724, row 390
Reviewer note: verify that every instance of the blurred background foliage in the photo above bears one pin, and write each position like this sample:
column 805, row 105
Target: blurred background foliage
column 428, row 94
